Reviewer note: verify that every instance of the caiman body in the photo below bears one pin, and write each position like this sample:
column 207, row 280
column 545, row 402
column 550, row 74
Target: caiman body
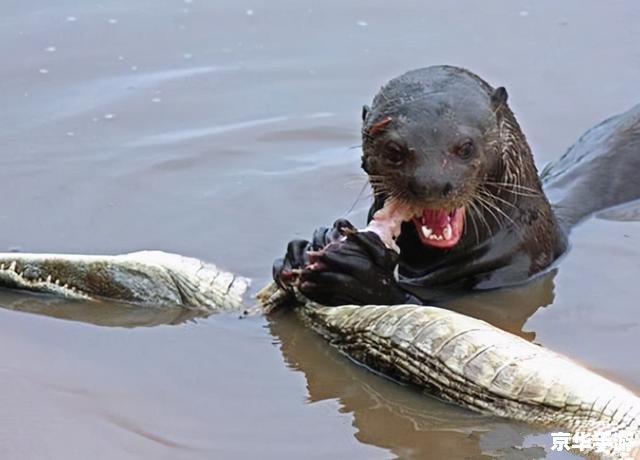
column 454, row 357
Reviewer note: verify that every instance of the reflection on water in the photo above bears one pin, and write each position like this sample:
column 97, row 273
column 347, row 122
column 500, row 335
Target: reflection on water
column 509, row 309
column 385, row 414
column 389, row 415
column 198, row 128
column 99, row 313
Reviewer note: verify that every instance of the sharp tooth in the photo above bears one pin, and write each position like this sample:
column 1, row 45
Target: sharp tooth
column 66, row 286
column 447, row 232
column 58, row 282
column 49, row 279
column 439, row 238
column 426, row 231
column 2, row 266
column 12, row 266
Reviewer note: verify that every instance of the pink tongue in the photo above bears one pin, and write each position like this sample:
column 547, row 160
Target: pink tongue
column 435, row 219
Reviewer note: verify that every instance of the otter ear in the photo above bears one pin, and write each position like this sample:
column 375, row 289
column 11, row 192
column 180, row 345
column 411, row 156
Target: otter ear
column 365, row 111
column 499, row 97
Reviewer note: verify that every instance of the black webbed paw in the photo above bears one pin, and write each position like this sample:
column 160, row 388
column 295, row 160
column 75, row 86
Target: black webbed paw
column 357, row 269
column 286, row 271
column 341, row 265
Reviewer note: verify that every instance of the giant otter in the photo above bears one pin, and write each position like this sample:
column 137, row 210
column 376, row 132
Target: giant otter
column 445, row 143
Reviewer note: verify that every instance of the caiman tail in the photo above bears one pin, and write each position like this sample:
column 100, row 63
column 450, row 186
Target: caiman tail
column 471, row 363
column 454, row 357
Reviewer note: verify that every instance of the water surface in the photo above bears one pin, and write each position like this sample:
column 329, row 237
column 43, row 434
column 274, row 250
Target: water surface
column 222, row 130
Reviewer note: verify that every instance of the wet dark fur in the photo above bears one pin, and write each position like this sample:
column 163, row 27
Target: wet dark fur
column 442, row 138
column 511, row 231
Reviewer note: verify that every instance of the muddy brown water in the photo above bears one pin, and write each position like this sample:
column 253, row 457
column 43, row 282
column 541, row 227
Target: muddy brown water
column 223, row 129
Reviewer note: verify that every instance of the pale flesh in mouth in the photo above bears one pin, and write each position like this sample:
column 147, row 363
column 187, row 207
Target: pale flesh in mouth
column 436, row 227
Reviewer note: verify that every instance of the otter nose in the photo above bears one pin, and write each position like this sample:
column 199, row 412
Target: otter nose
column 433, row 189
column 446, row 190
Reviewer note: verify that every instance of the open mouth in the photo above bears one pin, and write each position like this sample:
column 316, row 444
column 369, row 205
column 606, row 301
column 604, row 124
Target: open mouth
column 439, row 227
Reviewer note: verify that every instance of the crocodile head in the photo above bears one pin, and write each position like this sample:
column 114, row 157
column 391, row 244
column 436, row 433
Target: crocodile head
column 146, row 277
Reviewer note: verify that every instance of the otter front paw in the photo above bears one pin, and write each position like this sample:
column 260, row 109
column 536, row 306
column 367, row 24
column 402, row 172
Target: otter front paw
column 357, row 270
column 286, row 271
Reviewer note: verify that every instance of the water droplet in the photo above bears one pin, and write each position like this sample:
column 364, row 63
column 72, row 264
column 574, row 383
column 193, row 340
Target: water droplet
column 112, row 21
column 70, row 133
column 187, row 55
column 71, row 19
column 134, row 67
column 188, row 1
column 120, row 58
column 249, row 12
column 362, row 23
column 43, row 71
column 50, row 49
column 156, row 99
column 524, row 13
column 109, row 116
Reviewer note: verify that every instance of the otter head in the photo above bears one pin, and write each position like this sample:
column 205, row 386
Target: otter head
column 429, row 141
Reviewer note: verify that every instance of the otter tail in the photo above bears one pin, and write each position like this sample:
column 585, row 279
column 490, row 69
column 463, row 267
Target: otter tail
column 601, row 170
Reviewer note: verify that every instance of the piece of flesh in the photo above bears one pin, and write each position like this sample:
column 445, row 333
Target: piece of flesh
column 436, row 227
column 386, row 222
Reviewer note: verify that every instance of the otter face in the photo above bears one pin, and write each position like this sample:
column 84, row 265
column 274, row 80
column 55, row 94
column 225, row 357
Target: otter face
column 426, row 144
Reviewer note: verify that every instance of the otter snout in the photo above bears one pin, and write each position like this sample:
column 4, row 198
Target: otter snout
column 422, row 190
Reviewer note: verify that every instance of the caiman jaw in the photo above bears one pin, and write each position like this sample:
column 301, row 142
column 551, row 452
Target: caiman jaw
column 13, row 272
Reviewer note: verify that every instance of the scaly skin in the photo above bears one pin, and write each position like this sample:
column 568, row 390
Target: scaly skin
column 471, row 363
column 454, row 357
column 146, row 277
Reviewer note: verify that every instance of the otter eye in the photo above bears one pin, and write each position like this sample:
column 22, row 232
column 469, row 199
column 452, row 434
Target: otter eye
column 465, row 150
column 394, row 153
